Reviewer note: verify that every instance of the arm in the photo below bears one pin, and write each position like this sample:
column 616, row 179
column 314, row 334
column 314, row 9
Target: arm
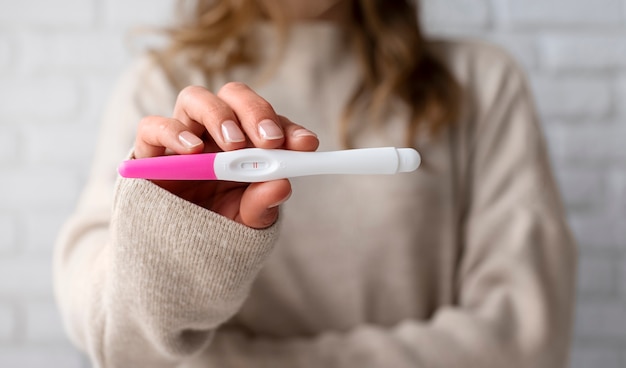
column 150, row 290
column 142, row 276
column 515, row 279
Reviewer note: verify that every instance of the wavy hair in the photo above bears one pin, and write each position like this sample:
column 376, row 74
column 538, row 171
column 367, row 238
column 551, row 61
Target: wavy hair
column 396, row 59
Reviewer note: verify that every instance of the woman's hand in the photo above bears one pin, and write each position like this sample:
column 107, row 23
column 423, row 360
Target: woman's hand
column 234, row 118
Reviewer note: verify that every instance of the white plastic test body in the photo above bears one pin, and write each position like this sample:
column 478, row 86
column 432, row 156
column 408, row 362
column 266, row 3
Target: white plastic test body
column 254, row 165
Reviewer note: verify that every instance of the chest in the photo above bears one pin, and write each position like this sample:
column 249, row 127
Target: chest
column 358, row 249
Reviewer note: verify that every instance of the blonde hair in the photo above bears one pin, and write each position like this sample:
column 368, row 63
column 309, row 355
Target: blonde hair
column 396, row 59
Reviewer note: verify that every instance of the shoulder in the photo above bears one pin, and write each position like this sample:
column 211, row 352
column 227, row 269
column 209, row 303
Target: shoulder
column 149, row 68
column 142, row 74
column 468, row 57
column 159, row 67
column 483, row 69
column 153, row 82
column 497, row 100
column 488, row 74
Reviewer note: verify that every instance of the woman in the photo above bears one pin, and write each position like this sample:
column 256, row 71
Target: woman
column 466, row 262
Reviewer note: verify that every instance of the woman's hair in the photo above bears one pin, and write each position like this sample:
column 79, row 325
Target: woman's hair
column 396, row 59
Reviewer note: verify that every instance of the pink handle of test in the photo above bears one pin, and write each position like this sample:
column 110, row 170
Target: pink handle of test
column 175, row 167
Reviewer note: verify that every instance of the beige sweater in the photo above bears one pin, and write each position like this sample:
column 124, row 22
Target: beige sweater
column 467, row 262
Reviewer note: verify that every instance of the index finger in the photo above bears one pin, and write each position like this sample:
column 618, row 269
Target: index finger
column 199, row 109
column 256, row 116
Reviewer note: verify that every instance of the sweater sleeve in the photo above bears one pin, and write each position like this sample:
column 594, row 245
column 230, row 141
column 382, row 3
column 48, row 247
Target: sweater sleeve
column 142, row 277
column 515, row 278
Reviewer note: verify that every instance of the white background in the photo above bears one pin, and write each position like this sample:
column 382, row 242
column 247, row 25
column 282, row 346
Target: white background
column 59, row 58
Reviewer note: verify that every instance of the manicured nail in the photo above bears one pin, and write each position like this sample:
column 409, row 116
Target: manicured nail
column 231, row 132
column 280, row 202
column 303, row 133
column 269, row 130
column 189, row 139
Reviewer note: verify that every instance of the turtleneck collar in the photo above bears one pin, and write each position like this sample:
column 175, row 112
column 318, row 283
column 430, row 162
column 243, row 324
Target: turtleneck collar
column 310, row 44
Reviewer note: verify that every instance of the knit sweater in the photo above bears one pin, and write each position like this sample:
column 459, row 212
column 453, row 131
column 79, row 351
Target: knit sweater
column 466, row 262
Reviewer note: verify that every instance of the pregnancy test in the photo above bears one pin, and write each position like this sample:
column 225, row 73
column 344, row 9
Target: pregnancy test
column 256, row 164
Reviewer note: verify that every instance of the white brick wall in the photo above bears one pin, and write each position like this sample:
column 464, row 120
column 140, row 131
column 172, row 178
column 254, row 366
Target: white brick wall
column 590, row 50
column 558, row 13
column 573, row 98
column 44, row 13
column 7, row 322
column 58, row 60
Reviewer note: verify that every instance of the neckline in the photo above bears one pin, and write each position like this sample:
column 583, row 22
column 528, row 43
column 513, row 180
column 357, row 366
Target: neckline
column 318, row 42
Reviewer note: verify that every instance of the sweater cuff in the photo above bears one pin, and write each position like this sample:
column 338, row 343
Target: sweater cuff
column 163, row 234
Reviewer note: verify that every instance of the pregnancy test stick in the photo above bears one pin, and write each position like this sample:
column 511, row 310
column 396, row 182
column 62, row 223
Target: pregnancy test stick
column 256, row 164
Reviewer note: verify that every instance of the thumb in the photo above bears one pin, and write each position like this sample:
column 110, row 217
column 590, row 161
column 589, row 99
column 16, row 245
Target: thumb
column 260, row 203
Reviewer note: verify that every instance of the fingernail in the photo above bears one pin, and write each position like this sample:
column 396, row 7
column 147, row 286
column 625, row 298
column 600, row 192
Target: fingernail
column 303, row 133
column 189, row 139
column 231, row 132
column 280, row 202
column 269, row 130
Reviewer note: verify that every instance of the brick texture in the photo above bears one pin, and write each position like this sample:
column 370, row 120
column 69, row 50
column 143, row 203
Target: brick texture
column 57, row 68
column 589, row 51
